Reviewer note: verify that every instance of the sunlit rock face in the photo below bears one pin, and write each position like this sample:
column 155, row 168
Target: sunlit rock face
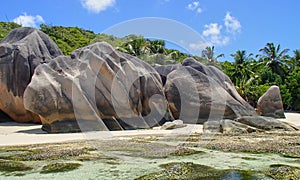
column 97, row 88
column 197, row 93
column 20, row 53
column 270, row 104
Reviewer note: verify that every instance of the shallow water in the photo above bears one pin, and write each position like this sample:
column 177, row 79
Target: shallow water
column 127, row 166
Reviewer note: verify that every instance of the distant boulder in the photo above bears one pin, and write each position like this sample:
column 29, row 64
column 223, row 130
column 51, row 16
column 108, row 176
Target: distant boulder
column 247, row 124
column 197, row 93
column 227, row 126
column 266, row 123
column 97, row 88
column 270, row 104
column 20, row 53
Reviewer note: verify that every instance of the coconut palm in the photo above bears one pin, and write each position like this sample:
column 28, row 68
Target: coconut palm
column 294, row 61
column 241, row 67
column 274, row 57
column 209, row 54
column 158, row 47
column 137, row 47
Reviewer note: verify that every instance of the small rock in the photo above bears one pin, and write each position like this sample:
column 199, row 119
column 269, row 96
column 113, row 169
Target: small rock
column 230, row 126
column 168, row 125
column 173, row 125
column 156, row 128
column 212, row 127
column 227, row 126
column 179, row 124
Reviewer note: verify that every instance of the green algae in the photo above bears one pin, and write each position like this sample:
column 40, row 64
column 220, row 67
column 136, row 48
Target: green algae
column 185, row 152
column 189, row 170
column 13, row 166
column 283, row 172
column 60, row 167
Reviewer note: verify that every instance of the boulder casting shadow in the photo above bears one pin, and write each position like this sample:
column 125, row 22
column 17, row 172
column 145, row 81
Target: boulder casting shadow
column 20, row 53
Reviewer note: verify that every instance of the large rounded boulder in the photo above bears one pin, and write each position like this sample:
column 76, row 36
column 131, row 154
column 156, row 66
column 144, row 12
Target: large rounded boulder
column 20, row 53
column 197, row 93
column 97, row 88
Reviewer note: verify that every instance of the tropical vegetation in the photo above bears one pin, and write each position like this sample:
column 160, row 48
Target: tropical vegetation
column 251, row 74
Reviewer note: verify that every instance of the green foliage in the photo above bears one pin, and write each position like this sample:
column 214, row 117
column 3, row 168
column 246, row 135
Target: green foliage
column 293, row 85
column 114, row 41
column 68, row 38
column 209, row 54
column 252, row 77
column 6, row 27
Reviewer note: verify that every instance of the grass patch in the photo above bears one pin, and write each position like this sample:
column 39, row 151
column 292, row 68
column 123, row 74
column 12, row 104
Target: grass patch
column 60, row 167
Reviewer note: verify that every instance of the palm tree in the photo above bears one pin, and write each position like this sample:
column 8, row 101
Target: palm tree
column 137, row 47
column 209, row 54
column 158, row 47
column 274, row 57
column 241, row 67
column 294, row 61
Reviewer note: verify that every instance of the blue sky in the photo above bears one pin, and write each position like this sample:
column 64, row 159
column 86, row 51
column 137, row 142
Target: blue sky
column 229, row 25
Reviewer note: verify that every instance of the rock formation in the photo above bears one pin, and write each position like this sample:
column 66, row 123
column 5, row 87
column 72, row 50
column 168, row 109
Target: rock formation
column 227, row 126
column 20, row 53
column 100, row 88
column 270, row 103
column 247, row 124
column 197, row 93
column 97, row 88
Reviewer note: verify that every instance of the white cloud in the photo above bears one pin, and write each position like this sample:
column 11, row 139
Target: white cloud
column 213, row 33
column 28, row 20
column 219, row 40
column 232, row 24
column 199, row 10
column 96, row 6
column 199, row 46
column 194, row 6
column 212, row 29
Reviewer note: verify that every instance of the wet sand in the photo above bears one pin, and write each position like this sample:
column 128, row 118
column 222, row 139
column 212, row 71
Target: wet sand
column 23, row 134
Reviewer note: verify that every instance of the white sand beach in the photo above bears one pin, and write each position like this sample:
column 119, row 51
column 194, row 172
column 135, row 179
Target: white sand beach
column 23, row 134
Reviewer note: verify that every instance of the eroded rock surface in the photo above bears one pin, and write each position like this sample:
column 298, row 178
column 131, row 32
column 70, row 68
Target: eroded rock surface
column 97, row 88
column 20, row 53
column 197, row 93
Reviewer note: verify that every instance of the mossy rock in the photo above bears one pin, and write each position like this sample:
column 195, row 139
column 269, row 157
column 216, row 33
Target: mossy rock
column 284, row 172
column 185, row 152
column 188, row 170
column 47, row 154
column 60, row 167
column 13, row 166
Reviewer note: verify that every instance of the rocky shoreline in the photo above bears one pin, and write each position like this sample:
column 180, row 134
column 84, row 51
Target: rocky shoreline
column 98, row 88
column 269, row 155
